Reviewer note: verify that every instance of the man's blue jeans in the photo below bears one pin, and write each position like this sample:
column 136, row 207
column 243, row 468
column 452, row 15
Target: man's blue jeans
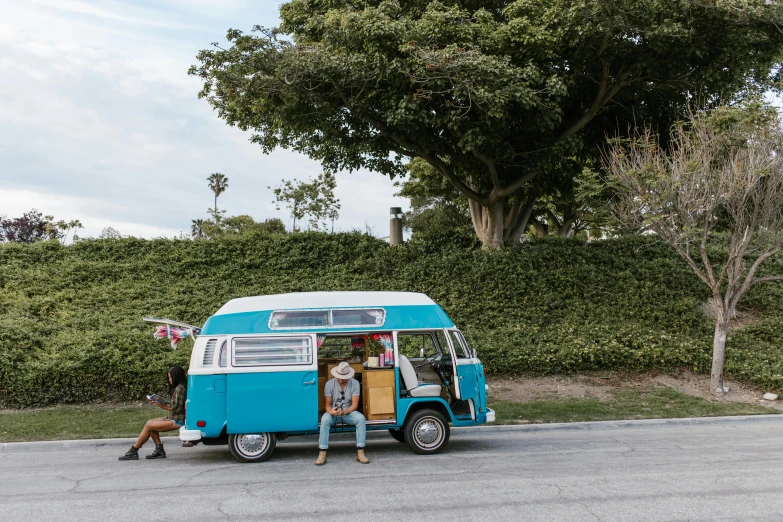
column 354, row 419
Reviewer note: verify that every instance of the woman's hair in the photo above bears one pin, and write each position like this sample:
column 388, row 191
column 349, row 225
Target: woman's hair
column 177, row 377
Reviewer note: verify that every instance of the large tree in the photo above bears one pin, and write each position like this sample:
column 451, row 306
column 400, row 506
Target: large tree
column 719, row 183
column 492, row 94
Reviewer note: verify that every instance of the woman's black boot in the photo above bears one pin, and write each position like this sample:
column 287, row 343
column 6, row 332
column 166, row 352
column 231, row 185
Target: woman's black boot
column 158, row 453
column 131, row 454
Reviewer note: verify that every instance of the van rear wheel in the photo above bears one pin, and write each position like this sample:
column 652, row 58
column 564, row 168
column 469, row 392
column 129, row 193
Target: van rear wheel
column 427, row 432
column 251, row 447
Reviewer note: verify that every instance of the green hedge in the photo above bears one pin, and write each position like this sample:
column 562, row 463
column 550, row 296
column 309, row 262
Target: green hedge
column 71, row 330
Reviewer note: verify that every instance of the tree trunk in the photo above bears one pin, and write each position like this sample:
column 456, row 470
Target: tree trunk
column 542, row 230
column 487, row 223
column 521, row 225
column 719, row 350
column 494, row 226
column 493, row 235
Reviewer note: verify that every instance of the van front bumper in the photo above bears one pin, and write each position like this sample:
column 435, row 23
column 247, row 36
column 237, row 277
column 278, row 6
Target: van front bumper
column 490, row 415
column 189, row 435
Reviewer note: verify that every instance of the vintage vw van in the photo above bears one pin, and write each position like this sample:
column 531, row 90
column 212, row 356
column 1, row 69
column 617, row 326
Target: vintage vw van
column 259, row 366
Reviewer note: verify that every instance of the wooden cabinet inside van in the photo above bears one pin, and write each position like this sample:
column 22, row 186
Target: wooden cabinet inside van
column 378, row 394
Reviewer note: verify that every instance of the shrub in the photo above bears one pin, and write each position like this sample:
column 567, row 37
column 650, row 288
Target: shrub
column 71, row 330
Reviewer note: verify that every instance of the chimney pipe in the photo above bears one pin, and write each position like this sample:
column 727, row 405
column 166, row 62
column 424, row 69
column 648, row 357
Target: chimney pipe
column 395, row 226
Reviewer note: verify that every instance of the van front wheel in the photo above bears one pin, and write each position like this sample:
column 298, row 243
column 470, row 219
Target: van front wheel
column 427, row 432
column 251, row 447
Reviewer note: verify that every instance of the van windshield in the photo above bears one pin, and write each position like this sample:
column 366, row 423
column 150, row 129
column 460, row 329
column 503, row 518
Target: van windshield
column 460, row 346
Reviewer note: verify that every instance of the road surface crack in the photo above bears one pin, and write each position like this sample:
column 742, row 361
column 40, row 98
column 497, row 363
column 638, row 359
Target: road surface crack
column 197, row 475
column 584, row 505
column 220, row 510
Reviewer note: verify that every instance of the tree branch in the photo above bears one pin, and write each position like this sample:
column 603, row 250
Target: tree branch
column 602, row 97
column 490, row 165
column 688, row 259
column 705, row 260
column 418, row 149
column 764, row 280
column 518, row 184
column 752, row 272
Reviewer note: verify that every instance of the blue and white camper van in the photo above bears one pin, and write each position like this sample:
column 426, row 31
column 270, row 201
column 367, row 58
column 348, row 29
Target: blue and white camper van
column 259, row 365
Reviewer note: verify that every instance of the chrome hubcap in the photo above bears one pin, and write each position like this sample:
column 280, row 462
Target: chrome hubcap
column 253, row 443
column 428, row 433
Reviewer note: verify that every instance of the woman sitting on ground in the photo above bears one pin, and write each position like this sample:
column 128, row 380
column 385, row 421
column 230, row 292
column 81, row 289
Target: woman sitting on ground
column 178, row 391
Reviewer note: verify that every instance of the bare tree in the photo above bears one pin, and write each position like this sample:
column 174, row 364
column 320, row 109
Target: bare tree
column 109, row 233
column 720, row 171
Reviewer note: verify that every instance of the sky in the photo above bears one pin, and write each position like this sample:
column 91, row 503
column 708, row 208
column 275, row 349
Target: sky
column 100, row 122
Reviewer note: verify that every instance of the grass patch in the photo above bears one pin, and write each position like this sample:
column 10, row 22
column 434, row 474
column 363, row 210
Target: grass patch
column 100, row 422
column 649, row 403
column 75, row 422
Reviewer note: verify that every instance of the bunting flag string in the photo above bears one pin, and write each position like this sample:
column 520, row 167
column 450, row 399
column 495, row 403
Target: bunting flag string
column 175, row 333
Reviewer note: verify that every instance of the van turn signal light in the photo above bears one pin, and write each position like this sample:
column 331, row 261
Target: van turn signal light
column 201, row 424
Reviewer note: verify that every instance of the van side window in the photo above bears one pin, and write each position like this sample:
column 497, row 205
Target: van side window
column 222, row 356
column 300, row 319
column 282, row 319
column 460, row 346
column 416, row 346
column 272, row 351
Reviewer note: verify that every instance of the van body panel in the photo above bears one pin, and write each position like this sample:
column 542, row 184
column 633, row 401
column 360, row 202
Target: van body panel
column 282, row 401
column 204, row 404
column 404, row 405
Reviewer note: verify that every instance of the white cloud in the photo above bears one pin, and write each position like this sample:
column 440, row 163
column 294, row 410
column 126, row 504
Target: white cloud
column 86, row 210
column 100, row 122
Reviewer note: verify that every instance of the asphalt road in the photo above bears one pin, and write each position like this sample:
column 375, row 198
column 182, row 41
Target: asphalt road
column 725, row 470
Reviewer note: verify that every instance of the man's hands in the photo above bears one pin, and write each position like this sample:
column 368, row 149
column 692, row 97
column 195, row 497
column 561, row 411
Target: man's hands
column 337, row 412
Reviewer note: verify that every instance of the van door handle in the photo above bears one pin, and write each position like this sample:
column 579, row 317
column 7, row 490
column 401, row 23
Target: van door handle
column 308, row 382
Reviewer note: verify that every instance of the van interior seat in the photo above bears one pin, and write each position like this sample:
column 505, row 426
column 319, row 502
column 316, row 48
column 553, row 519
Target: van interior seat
column 414, row 387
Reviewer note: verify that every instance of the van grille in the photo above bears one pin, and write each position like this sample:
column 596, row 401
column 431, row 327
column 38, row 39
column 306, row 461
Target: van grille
column 209, row 352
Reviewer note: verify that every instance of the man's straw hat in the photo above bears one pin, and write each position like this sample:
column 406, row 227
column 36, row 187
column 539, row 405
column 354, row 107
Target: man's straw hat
column 343, row 371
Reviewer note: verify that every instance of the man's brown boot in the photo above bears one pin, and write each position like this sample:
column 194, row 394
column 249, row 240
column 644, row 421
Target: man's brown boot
column 321, row 458
column 361, row 457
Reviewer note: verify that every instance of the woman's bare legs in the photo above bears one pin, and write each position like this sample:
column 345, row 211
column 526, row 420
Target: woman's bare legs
column 153, row 429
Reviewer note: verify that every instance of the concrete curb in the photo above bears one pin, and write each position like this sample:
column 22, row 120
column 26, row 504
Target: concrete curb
column 55, row 445
column 639, row 423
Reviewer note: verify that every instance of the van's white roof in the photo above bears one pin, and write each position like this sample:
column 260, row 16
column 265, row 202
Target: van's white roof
column 323, row 300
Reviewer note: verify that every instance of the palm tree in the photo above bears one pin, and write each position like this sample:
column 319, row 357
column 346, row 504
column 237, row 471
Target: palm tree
column 218, row 183
column 197, row 229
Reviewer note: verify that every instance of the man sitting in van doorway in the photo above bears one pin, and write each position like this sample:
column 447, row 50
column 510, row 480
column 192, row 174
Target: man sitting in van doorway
column 341, row 396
